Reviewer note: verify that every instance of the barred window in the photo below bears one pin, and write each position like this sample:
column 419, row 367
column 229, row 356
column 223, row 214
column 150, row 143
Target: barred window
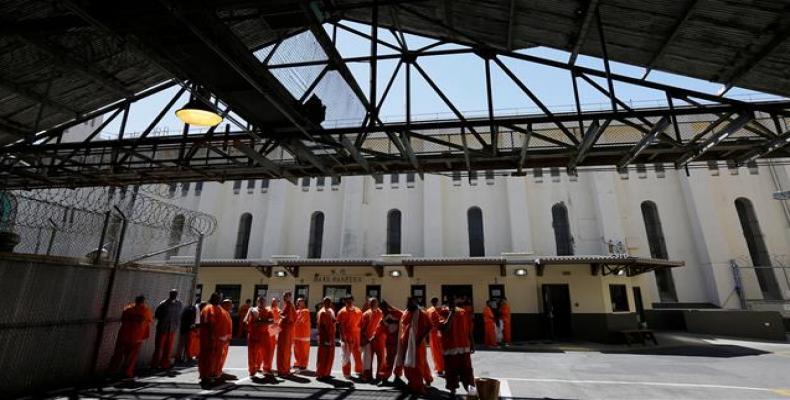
column 757, row 249
column 658, row 249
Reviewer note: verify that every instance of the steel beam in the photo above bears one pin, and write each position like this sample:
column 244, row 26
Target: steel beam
column 584, row 27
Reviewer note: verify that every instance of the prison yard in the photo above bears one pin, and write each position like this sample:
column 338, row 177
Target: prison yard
column 569, row 199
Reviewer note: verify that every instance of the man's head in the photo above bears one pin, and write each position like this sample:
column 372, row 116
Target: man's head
column 374, row 303
column 300, row 303
column 275, row 302
column 227, row 304
column 349, row 300
column 173, row 294
column 385, row 307
column 327, row 302
column 261, row 302
column 202, row 305
column 435, row 301
column 411, row 304
column 139, row 299
column 214, row 299
column 248, row 302
column 287, row 297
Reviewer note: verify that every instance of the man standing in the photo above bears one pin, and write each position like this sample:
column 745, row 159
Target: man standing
column 415, row 327
column 241, row 330
column 187, row 329
column 489, row 326
column 135, row 326
column 212, row 336
column 274, row 330
column 227, row 328
column 285, row 338
column 168, row 317
column 504, row 313
column 301, row 336
column 436, row 338
column 348, row 319
column 389, row 328
column 326, row 340
column 458, row 347
column 373, row 343
column 257, row 320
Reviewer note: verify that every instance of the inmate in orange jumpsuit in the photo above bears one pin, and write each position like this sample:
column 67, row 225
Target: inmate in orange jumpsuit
column 504, row 312
column 193, row 348
column 135, row 328
column 457, row 345
column 389, row 328
column 326, row 342
column 241, row 326
column 436, row 341
column 285, row 339
column 258, row 320
column 215, row 331
column 302, row 339
column 274, row 330
column 226, row 327
column 348, row 319
column 489, row 326
column 373, row 343
column 415, row 327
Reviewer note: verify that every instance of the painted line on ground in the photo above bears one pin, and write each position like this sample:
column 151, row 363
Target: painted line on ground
column 504, row 390
column 664, row 384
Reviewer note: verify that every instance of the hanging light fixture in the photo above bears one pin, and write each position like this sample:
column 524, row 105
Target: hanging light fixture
column 198, row 113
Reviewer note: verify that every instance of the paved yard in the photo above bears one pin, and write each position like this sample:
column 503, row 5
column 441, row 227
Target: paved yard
column 682, row 367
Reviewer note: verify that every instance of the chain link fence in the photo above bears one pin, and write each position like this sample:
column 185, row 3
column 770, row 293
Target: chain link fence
column 123, row 224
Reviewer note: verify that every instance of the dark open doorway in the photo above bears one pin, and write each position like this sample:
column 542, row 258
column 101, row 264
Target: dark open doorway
column 455, row 291
column 557, row 311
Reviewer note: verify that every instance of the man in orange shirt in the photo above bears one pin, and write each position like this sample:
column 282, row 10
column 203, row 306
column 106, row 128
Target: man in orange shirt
column 458, row 346
column 258, row 320
column 436, row 338
column 286, row 336
column 415, row 327
column 226, row 322
column 389, row 328
column 326, row 340
column 504, row 313
column 301, row 336
column 274, row 330
column 215, row 331
column 489, row 326
column 348, row 319
column 135, row 327
column 373, row 343
column 241, row 328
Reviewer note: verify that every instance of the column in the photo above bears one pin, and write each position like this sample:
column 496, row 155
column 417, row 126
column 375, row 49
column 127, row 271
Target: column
column 351, row 239
column 433, row 243
column 518, row 215
column 274, row 226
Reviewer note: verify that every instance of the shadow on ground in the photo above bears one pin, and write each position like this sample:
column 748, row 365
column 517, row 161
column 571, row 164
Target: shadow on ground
column 693, row 350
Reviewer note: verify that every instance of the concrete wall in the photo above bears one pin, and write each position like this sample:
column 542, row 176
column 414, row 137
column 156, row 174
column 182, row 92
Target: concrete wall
column 48, row 332
column 749, row 324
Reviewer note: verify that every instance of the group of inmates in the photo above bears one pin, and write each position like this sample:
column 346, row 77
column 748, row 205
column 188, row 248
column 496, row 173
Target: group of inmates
column 396, row 339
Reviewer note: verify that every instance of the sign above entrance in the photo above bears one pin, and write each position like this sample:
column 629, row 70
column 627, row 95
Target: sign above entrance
column 338, row 278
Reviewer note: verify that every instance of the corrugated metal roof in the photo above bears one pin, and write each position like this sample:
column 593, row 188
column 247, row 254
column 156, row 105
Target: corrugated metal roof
column 609, row 260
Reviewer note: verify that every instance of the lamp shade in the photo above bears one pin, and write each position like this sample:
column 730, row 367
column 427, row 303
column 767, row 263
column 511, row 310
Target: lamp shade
column 198, row 113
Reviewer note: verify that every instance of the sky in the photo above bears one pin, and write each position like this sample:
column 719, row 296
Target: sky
column 460, row 77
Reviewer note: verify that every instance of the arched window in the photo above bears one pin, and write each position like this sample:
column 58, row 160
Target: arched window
column 474, row 218
column 316, row 235
column 562, row 229
column 757, row 249
column 658, row 249
column 176, row 233
column 393, row 231
column 243, row 236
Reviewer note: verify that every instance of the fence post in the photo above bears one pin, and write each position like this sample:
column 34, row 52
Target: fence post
column 736, row 276
column 196, row 266
column 52, row 236
column 102, row 237
column 105, row 310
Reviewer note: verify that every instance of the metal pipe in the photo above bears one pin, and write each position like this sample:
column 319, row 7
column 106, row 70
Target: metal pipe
column 196, row 266
column 155, row 253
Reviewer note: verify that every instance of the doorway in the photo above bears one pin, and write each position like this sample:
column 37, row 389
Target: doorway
column 454, row 291
column 260, row 290
column 232, row 292
column 640, row 308
column 337, row 293
column 557, row 311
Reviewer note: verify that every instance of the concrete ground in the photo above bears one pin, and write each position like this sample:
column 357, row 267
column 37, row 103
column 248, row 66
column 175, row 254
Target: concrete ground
column 683, row 366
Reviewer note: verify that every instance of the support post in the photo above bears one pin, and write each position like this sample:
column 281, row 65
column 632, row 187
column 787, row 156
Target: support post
column 102, row 237
column 196, row 267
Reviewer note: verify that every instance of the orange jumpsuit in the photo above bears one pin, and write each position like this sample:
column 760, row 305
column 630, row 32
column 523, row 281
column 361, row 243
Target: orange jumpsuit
column 274, row 329
column 193, row 348
column 436, row 341
column 374, row 344
column 258, row 321
column 326, row 342
column 470, row 317
column 135, row 328
column 390, row 328
column 302, row 339
column 490, row 327
column 457, row 345
column 415, row 327
column 504, row 312
column 215, row 332
column 348, row 321
column 241, row 330
column 285, row 339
